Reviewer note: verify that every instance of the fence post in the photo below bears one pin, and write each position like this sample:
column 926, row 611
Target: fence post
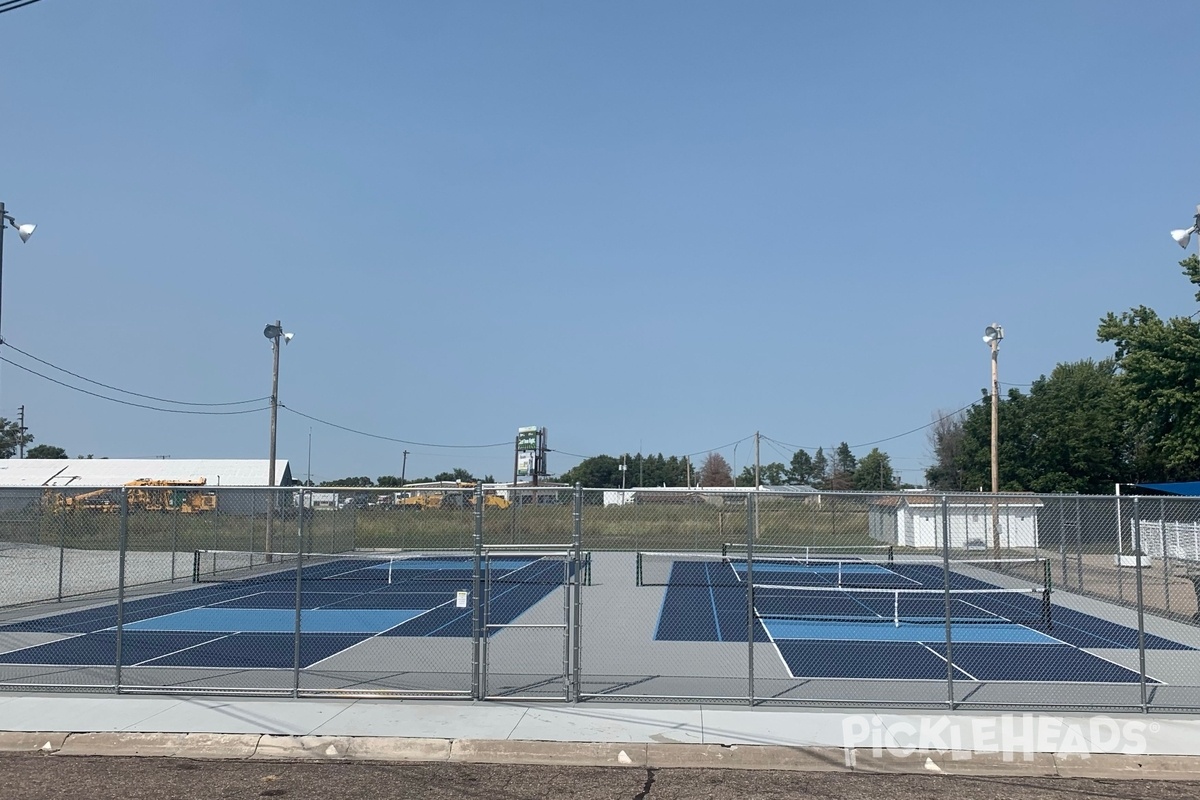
column 122, row 544
column 946, row 582
column 62, row 548
column 577, row 611
column 476, row 566
column 1078, row 547
column 751, row 513
column 175, row 512
column 1141, row 606
column 1062, row 537
column 1166, row 557
column 299, row 595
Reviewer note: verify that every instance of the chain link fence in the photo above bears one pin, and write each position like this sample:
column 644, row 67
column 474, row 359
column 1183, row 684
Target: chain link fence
column 724, row 595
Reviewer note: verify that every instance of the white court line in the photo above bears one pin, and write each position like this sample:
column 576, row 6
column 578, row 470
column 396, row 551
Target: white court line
column 376, row 635
column 182, row 649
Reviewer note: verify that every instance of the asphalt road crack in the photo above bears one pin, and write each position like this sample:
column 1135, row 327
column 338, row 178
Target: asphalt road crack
column 647, row 786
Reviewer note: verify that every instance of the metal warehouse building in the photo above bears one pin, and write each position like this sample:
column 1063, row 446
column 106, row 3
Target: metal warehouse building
column 34, row 475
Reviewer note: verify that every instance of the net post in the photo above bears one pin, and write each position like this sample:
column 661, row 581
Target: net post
column 639, row 568
column 891, row 555
column 195, row 566
column 725, row 549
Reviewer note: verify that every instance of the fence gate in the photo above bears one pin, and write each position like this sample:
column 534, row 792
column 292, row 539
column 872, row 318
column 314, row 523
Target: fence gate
column 527, row 599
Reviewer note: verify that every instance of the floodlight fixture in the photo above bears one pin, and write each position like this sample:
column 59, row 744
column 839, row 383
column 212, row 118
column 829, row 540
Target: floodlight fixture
column 24, row 231
column 272, row 331
column 993, row 334
column 1184, row 235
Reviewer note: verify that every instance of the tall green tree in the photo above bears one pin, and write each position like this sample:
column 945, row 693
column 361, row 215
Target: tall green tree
column 1076, row 430
column 841, row 475
column 12, row 437
column 1159, row 363
column 800, row 471
column 820, row 469
column 874, row 472
column 597, row 472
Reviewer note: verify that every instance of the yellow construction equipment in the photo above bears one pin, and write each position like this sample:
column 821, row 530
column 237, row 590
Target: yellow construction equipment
column 147, row 494
column 144, row 494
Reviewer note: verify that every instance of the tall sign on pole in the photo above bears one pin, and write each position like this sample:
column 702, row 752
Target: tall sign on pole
column 531, row 454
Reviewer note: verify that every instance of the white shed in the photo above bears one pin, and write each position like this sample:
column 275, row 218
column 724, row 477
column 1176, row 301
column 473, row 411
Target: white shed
column 916, row 520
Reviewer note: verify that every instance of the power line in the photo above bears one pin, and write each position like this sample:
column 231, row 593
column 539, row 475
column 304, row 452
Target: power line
column 392, row 438
column 13, row 5
column 889, row 438
column 10, row 346
column 129, row 402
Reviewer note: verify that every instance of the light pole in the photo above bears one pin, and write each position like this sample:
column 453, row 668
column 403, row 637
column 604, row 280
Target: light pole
column 274, row 333
column 992, row 335
column 24, row 231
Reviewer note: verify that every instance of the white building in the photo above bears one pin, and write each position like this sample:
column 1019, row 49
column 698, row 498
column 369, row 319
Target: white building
column 916, row 520
column 23, row 481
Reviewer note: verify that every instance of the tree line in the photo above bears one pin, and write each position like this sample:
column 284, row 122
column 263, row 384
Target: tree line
column 841, row 471
column 1131, row 418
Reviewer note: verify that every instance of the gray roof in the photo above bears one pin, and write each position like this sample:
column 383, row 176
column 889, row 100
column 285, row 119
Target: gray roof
column 98, row 472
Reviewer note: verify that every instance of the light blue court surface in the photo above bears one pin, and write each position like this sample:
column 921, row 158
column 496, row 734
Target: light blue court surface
column 279, row 620
column 886, row 631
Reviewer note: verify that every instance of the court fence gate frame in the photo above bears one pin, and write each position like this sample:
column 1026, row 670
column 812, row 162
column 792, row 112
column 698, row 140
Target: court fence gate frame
column 755, row 597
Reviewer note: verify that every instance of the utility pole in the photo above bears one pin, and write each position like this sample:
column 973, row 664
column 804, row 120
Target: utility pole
column 992, row 336
column 309, row 480
column 21, row 432
column 403, row 467
column 274, row 333
column 757, row 481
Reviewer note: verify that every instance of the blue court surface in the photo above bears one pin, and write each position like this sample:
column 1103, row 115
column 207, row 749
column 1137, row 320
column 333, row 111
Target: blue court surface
column 869, row 620
column 250, row 623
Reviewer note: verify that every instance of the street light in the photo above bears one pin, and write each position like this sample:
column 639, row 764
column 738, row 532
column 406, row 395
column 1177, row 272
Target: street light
column 1181, row 236
column 992, row 335
column 274, row 333
column 24, row 231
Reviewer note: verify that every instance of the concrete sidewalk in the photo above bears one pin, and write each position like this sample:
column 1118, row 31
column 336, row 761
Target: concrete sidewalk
column 684, row 735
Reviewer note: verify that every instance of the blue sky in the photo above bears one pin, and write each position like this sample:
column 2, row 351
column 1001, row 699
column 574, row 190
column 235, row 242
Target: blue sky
column 645, row 226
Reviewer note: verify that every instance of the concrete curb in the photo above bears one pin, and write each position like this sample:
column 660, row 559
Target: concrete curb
column 643, row 755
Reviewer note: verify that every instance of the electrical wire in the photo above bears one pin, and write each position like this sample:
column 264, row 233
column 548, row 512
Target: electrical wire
column 13, row 5
column 889, row 438
column 381, row 437
column 129, row 402
column 11, row 346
